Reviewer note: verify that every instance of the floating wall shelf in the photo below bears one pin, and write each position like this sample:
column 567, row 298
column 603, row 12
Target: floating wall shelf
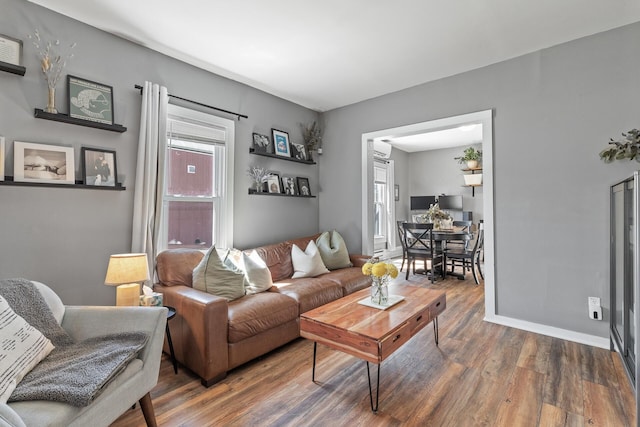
column 13, row 69
column 275, row 156
column 40, row 114
column 264, row 193
column 78, row 185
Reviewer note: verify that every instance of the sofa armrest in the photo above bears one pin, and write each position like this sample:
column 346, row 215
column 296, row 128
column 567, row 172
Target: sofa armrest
column 9, row 417
column 199, row 331
column 359, row 260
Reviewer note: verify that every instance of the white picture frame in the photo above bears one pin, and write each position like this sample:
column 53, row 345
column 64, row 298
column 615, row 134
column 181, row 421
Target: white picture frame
column 43, row 163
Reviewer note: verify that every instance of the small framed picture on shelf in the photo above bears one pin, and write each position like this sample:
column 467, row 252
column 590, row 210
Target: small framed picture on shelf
column 261, row 143
column 303, row 186
column 10, row 50
column 299, row 151
column 289, row 186
column 90, row 100
column 281, row 143
column 43, row 163
column 273, row 183
column 99, row 167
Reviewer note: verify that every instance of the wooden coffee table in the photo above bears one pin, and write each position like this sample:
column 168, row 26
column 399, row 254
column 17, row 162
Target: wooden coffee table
column 369, row 333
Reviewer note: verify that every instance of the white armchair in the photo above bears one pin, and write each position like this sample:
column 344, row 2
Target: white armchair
column 132, row 385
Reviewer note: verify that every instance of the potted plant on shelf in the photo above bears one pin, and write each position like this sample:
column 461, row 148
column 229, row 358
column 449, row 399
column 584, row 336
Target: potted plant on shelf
column 259, row 176
column 312, row 135
column 628, row 148
column 471, row 157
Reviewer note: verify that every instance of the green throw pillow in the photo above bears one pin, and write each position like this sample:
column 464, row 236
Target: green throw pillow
column 212, row 276
column 333, row 250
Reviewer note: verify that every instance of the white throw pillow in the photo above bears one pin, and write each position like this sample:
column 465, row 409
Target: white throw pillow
column 333, row 250
column 22, row 347
column 308, row 263
column 213, row 277
column 257, row 273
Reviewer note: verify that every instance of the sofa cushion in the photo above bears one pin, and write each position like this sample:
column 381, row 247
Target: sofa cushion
column 216, row 278
column 333, row 250
column 310, row 292
column 257, row 272
column 23, row 347
column 253, row 314
column 175, row 266
column 278, row 256
column 350, row 279
column 307, row 263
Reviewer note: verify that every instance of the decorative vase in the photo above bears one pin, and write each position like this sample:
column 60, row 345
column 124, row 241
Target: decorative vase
column 379, row 291
column 259, row 185
column 51, row 104
column 472, row 164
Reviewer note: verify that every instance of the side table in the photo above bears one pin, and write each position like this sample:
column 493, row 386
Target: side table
column 170, row 315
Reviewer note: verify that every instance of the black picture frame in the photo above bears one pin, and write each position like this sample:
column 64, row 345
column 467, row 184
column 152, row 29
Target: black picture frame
column 299, row 151
column 281, row 145
column 11, row 50
column 289, row 186
column 273, row 184
column 261, row 143
column 99, row 167
column 89, row 100
column 304, row 189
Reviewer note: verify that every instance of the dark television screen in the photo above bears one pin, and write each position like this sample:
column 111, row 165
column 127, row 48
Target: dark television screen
column 422, row 202
column 452, row 203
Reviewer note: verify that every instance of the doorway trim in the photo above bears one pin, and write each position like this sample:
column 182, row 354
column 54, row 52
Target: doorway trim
column 486, row 119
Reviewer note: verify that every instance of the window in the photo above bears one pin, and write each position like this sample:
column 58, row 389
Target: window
column 380, row 206
column 197, row 205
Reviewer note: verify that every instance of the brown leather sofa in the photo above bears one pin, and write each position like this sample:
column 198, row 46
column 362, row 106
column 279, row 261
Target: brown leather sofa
column 212, row 335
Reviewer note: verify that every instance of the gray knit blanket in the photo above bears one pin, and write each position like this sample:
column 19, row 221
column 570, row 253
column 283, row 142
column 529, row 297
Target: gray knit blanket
column 74, row 372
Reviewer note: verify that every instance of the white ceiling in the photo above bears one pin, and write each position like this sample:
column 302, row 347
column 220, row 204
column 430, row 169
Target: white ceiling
column 331, row 53
column 447, row 138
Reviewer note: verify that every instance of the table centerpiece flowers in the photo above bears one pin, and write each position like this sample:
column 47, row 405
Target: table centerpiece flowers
column 437, row 216
column 380, row 273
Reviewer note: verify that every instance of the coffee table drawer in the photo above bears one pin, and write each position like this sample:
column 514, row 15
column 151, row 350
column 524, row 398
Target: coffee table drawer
column 420, row 320
column 438, row 306
column 394, row 341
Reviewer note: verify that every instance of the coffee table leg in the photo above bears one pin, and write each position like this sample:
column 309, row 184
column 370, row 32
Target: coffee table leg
column 435, row 329
column 313, row 371
column 374, row 408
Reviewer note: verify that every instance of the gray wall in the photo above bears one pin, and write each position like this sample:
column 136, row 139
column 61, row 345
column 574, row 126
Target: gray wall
column 64, row 236
column 401, row 176
column 554, row 111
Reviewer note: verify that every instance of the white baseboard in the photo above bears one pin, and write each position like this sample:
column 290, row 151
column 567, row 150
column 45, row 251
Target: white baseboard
column 551, row 331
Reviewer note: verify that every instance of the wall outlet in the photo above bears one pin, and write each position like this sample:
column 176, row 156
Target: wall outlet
column 594, row 301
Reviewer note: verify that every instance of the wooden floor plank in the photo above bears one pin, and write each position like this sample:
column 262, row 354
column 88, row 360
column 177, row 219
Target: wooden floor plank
column 481, row 374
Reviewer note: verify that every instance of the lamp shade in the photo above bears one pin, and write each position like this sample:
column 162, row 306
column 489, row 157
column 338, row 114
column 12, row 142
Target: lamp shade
column 127, row 268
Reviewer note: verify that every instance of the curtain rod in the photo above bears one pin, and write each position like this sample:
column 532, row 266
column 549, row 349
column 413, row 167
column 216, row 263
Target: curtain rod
column 201, row 104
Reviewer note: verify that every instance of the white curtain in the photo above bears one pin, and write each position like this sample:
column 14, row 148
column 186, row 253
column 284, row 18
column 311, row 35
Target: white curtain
column 147, row 202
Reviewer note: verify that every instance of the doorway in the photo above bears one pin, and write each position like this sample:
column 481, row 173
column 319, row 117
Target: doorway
column 485, row 119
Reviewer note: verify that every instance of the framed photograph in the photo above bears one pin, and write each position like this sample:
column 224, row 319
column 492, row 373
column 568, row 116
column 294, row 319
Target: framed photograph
column 260, row 143
column 299, row 151
column 303, row 186
column 43, row 163
column 281, row 142
column 1, row 158
column 289, row 186
column 90, row 100
column 99, row 167
column 10, row 50
column 273, row 183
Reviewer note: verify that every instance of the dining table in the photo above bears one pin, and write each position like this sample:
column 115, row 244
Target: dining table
column 441, row 237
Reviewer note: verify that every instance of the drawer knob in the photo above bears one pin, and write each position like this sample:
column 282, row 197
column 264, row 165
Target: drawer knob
column 396, row 338
column 438, row 304
column 419, row 318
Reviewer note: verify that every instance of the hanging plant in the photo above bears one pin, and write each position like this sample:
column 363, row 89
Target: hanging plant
column 627, row 148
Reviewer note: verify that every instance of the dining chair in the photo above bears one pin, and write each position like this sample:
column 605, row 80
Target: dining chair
column 459, row 245
column 402, row 242
column 469, row 257
column 418, row 239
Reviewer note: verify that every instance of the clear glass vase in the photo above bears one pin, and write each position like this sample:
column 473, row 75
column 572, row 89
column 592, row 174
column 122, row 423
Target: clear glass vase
column 380, row 291
column 51, row 101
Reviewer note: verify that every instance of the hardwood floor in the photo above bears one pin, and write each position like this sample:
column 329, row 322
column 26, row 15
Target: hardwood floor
column 481, row 374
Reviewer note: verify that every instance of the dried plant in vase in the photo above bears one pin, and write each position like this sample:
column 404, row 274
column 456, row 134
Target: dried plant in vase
column 312, row 135
column 259, row 176
column 52, row 63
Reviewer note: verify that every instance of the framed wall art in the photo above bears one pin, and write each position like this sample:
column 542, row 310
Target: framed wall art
column 43, row 163
column 261, row 143
column 273, row 183
column 281, row 143
column 99, row 167
column 299, row 151
column 289, row 186
column 10, row 50
column 90, row 100
column 303, row 186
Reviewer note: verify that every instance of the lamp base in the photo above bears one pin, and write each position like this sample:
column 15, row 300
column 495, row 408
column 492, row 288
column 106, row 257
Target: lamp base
column 128, row 295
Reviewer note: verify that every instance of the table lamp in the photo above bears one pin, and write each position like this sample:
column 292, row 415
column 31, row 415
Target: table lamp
column 126, row 271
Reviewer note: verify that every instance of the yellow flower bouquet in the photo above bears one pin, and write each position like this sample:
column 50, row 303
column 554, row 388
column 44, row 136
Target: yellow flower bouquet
column 380, row 273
